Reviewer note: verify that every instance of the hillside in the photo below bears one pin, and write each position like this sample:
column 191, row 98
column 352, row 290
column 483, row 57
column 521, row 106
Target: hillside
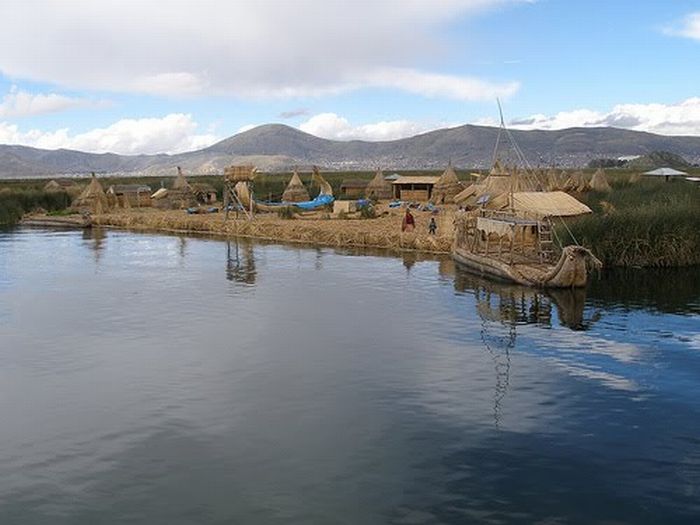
column 275, row 147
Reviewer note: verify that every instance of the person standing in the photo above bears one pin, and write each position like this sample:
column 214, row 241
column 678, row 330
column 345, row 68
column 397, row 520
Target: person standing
column 432, row 226
column 409, row 223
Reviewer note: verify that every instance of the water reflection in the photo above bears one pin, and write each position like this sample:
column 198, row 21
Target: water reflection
column 668, row 290
column 434, row 396
column 95, row 239
column 240, row 261
column 513, row 304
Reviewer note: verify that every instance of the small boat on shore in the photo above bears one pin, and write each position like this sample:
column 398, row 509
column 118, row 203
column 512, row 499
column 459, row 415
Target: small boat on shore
column 57, row 221
column 514, row 248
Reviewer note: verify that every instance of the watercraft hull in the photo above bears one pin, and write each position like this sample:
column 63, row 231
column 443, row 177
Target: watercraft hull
column 570, row 271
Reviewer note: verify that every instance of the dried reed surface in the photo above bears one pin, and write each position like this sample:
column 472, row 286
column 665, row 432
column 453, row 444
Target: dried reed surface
column 383, row 232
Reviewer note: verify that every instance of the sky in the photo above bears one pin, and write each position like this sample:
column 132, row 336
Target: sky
column 139, row 76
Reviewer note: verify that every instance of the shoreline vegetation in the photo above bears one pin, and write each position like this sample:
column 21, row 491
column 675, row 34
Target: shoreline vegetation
column 649, row 223
column 641, row 223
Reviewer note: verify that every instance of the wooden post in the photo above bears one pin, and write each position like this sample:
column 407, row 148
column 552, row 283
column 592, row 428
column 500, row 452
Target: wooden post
column 513, row 233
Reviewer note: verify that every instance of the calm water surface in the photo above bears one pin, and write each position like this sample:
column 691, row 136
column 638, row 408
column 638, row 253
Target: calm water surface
column 156, row 379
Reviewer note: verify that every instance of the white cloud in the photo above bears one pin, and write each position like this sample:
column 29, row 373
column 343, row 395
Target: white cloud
column 260, row 48
column 172, row 133
column 689, row 27
column 435, row 85
column 333, row 126
column 682, row 118
column 18, row 103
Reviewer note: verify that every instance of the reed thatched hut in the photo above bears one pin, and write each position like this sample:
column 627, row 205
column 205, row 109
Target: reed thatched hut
column 204, row 193
column 67, row 185
column 180, row 183
column 295, row 190
column 179, row 195
column 128, row 195
column 414, row 187
column 92, row 199
column 378, row 188
column 577, row 182
column 447, row 187
column 599, row 182
column 353, row 188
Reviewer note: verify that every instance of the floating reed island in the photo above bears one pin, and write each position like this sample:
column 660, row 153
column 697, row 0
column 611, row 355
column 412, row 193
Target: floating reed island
column 315, row 228
column 636, row 220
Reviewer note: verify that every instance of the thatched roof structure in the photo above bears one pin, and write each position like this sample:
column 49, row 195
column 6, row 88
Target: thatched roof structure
column 447, row 187
column 240, row 173
column 52, row 185
column 180, row 183
column 548, row 204
column 93, row 198
column 324, row 187
column 466, row 194
column 599, row 182
column 61, row 185
column 295, row 190
column 576, row 182
column 497, row 169
column 160, row 193
column 379, row 188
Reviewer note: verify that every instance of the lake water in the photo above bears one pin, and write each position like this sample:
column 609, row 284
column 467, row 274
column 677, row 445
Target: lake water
column 158, row 379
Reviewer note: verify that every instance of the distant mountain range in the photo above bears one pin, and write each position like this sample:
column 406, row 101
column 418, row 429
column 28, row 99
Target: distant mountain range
column 276, row 147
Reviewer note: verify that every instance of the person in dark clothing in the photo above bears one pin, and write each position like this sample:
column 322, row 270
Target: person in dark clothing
column 432, row 226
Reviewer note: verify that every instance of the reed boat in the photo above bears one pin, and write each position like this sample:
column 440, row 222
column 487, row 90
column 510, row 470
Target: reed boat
column 507, row 232
column 57, row 221
column 510, row 247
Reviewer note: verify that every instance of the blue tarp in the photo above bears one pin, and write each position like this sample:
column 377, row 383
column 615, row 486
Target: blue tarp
column 318, row 202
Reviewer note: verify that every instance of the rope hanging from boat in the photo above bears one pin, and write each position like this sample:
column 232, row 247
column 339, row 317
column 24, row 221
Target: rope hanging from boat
column 520, row 155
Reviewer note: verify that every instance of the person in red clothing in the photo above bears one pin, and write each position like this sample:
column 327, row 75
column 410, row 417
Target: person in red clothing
column 409, row 223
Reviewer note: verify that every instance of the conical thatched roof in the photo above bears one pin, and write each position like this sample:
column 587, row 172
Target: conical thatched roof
column 295, row 190
column 378, row 188
column 599, row 182
column 573, row 181
column 93, row 198
column 446, row 187
column 466, row 194
column 325, row 188
column 497, row 169
column 180, row 183
column 583, row 182
column 552, row 180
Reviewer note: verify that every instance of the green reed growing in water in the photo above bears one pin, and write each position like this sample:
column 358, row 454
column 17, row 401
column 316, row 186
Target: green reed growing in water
column 648, row 223
column 16, row 202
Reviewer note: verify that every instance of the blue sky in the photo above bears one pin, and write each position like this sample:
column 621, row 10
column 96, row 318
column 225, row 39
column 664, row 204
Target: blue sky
column 133, row 77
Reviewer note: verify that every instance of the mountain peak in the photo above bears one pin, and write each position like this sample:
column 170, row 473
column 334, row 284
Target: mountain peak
column 270, row 139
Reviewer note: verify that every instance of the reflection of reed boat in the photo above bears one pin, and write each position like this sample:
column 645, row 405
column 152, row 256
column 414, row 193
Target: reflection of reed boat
column 513, row 304
column 507, row 231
